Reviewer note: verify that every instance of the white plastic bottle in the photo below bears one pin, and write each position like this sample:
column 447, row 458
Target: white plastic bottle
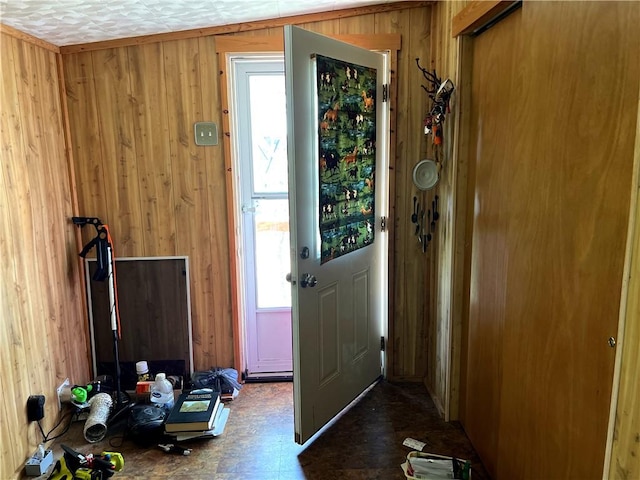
column 162, row 392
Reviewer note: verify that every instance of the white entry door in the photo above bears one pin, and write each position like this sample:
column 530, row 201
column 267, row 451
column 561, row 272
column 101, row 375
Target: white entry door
column 339, row 304
column 260, row 130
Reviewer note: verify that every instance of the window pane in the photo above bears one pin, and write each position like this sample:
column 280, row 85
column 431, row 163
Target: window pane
column 268, row 133
column 272, row 253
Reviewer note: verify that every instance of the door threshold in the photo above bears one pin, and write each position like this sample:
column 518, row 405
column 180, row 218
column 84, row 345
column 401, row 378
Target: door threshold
column 269, row 377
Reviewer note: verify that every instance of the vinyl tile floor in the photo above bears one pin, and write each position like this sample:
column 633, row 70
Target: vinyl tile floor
column 364, row 443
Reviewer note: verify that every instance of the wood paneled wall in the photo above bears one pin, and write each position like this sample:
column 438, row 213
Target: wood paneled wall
column 132, row 110
column 445, row 294
column 446, row 55
column 42, row 318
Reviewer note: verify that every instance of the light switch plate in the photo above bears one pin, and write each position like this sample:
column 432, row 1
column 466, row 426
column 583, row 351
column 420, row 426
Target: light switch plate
column 206, row 133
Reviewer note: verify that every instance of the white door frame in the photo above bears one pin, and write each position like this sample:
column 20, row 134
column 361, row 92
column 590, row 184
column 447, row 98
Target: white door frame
column 245, row 285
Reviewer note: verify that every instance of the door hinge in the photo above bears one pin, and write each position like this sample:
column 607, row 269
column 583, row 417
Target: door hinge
column 385, row 92
column 382, row 346
column 383, row 224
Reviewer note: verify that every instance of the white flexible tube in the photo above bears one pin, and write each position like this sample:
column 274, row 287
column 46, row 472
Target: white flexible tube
column 95, row 428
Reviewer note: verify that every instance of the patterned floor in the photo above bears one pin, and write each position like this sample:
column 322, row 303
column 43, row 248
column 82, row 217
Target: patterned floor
column 364, row 443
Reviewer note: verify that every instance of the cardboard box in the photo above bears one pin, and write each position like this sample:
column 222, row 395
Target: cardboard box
column 143, row 387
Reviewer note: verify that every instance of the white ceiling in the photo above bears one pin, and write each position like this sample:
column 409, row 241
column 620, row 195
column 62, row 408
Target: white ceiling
column 70, row 22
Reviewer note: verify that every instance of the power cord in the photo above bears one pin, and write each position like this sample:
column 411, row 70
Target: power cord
column 46, row 438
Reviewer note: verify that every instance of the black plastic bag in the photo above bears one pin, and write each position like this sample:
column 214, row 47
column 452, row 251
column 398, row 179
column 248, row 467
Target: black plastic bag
column 146, row 424
column 224, row 380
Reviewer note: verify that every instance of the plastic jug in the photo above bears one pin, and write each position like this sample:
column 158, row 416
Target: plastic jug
column 162, row 392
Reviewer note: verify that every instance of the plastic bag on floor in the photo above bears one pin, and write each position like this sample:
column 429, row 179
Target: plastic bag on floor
column 224, row 380
column 429, row 466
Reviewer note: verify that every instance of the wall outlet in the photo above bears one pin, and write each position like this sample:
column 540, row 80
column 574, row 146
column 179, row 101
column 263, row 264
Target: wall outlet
column 35, row 408
column 205, row 133
column 61, row 387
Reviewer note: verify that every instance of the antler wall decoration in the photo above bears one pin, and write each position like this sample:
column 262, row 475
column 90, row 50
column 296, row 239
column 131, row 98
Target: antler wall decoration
column 426, row 173
column 440, row 94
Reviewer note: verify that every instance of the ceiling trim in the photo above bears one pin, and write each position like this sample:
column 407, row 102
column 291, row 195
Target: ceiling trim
column 20, row 35
column 242, row 27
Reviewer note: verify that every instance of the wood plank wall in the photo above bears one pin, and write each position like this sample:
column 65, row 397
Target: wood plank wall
column 43, row 323
column 132, row 110
column 446, row 52
column 624, row 462
column 445, row 329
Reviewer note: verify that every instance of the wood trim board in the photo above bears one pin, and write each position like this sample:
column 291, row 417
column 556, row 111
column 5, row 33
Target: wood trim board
column 478, row 14
column 274, row 43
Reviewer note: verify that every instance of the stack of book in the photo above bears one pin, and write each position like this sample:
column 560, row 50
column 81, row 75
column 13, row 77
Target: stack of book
column 197, row 414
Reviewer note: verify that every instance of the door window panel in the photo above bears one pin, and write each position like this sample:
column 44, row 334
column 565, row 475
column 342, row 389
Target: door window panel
column 268, row 133
column 272, row 253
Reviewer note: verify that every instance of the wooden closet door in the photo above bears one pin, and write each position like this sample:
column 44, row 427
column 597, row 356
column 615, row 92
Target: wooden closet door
column 550, row 197
column 494, row 107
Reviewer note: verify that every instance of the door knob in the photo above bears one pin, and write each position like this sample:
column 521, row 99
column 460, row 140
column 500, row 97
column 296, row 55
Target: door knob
column 288, row 277
column 308, row 280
